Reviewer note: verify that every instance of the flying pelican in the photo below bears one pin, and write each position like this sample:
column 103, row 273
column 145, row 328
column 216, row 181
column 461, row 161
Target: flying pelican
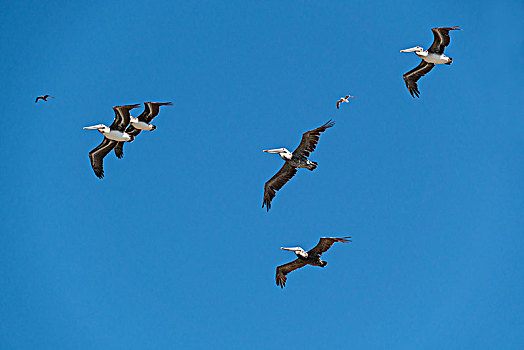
column 142, row 122
column 44, row 98
column 311, row 257
column 434, row 55
column 344, row 99
column 112, row 135
column 297, row 159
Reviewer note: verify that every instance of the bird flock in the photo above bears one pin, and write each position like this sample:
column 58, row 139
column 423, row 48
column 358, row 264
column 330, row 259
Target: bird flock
column 125, row 128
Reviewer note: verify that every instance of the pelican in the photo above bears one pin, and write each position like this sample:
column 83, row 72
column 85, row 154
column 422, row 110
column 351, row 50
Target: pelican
column 142, row 122
column 44, row 98
column 112, row 135
column 434, row 55
column 297, row 159
column 311, row 257
column 344, row 99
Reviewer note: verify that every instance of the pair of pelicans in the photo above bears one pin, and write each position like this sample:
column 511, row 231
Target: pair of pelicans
column 125, row 128
column 293, row 160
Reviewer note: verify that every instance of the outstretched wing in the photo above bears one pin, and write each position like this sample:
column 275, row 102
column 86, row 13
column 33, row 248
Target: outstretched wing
column 411, row 77
column 122, row 117
column 276, row 182
column 338, row 103
column 154, row 109
column 325, row 243
column 310, row 139
column 442, row 39
column 283, row 270
column 97, row 156
column 39, row 98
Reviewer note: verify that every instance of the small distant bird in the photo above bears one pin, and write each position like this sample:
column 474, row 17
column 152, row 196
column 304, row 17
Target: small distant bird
column 430, row 57
column 297, row 159
column 344, row 99
column 142, row 122
column 112, row 135
column 45, row 97
column 311, row 257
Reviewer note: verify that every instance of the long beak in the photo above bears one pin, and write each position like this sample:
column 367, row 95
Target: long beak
column 410, row 50
column 290, row 249
column 270, row 151
column 94, row 127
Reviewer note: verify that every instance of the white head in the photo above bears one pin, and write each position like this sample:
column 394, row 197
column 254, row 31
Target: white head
column 297, row 250
column 99, row 127
column 283, row 152
column 415, row 49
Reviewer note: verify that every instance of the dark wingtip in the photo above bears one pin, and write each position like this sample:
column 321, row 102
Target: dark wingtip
column 161, row 103
column 448, row 28
column 281, row 281
column 414, row 93
column 346, row 239
column 266, row 204
column 129, row 107
column 329, row 123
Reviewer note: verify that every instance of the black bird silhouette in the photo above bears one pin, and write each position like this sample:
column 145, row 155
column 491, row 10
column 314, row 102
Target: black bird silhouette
column 45, row 97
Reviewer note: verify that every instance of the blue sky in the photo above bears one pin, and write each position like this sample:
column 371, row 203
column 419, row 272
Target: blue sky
column 173, row 250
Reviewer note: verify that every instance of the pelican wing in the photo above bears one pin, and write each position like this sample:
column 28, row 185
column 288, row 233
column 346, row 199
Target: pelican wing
column 310, row 139
column 283, row 270
column 153, row 109
column 119, row 149
column 122, row 117
column 325, row 243
column 276, row 182
column 411, row 77
column 39, row 98
column 441, row 40
column 97, row 156
column 338, row 103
